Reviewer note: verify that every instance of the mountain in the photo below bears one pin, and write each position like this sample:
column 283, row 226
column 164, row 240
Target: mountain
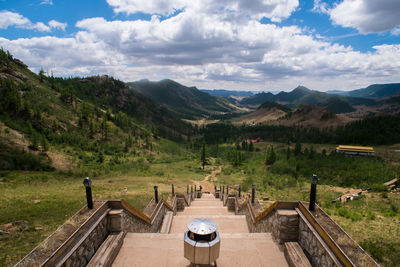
column 258, row 99
column 294, row 97
column 304, row 96
column 227, row 93
column 48, row 122
column 273, row 105
column 337, row 105
column 377, row 91
column 268, row 111
column 316, row 116
column 184, row 102
column 336, row 92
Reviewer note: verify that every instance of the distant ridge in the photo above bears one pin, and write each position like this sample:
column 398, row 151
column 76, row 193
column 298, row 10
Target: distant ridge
column 227, row 93
column 303, row 96
column 270, row 105
column 377, row 91
column 185, row 102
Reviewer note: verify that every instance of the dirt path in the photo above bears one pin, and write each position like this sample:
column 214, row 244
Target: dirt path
column 207, row 184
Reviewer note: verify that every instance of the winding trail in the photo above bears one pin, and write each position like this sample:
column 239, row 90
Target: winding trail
column 207, row 184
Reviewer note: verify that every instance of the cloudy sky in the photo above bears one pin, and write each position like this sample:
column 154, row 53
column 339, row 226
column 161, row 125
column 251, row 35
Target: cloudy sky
column 231, row 44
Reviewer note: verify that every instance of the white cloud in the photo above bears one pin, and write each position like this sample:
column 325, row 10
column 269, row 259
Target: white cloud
column 40, row 26
column 320, row 7
column 367, row 16
column 57, row 25
column 9, row 19
column 276, row 10
column 215, row 50
column 47, row 2
column 396, row 31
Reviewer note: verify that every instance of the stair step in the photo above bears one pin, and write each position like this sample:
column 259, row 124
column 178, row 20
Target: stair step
column 108, row 250
column 226, row 223
column 295, row 255
column 167, row 221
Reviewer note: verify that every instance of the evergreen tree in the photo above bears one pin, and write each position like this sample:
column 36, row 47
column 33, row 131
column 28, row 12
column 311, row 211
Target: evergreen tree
column 104, row 128
column 203, row 155
column 311, row 153
column 41, row 75
column 34, row 142
column 297, row 149
column 288, row 153
column 271, row 156
column 244, row 145
column 44, row 144
column 251, row 146
column 91, row 129
column 100, row 157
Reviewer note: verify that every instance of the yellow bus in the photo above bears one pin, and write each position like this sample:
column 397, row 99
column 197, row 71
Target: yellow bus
column 356, row 150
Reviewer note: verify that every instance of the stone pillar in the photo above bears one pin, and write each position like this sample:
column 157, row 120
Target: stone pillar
column 287, row 228
column 115, row 221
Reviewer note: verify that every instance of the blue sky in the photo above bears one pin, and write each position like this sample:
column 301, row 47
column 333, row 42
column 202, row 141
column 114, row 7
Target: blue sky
column 232, row 44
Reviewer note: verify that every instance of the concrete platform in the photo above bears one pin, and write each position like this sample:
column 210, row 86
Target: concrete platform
column 211, row 210
column 145, row 250
column 238, row 246
column 226, row 223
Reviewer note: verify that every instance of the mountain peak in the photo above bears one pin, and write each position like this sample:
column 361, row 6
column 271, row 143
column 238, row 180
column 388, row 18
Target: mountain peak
column 301, row 88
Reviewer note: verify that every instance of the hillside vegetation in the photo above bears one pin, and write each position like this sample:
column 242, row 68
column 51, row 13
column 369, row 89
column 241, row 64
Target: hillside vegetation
column 56, row 131
column 184, row 102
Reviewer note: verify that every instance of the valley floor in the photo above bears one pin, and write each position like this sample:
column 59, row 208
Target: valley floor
column 34, row 204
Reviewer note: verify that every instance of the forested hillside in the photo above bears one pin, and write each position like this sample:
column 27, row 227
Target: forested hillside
column 304, row 96
column 184, row 102
column 99, row 118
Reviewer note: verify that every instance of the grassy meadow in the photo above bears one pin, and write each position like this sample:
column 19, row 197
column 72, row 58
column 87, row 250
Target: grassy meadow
column 46, row 199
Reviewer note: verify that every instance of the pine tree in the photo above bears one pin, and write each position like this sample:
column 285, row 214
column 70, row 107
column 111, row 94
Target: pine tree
column 203, row 155
column 251, row 146
column 41, row 75
column 297, row 149
column 91, row 129
column 34, row 142
column 288, row 153
column 271, row 156
column 44, row 144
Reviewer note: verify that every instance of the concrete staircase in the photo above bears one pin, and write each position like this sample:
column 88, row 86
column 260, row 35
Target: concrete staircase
column 238, row 246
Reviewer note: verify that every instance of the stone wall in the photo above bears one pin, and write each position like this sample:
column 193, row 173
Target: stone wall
column 180, row 203
column 285, row 226
column 82, row 255
column 131, row 223
column 224, row 199
column 188, row 198
column 231, row 204
column 315, row 248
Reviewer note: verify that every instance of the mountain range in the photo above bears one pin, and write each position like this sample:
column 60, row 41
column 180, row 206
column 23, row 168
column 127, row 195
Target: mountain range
column 185, row 102
column 374, row 91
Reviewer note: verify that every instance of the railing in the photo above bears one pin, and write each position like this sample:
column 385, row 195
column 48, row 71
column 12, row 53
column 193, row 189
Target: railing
column 325, row 236
column 266, row 212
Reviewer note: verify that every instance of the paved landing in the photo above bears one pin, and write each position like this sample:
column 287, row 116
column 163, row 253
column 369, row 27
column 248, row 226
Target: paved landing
column 146, row 250
column 238, row 246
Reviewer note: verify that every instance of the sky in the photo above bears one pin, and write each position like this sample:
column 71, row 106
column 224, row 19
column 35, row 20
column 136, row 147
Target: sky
column 260, row 45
